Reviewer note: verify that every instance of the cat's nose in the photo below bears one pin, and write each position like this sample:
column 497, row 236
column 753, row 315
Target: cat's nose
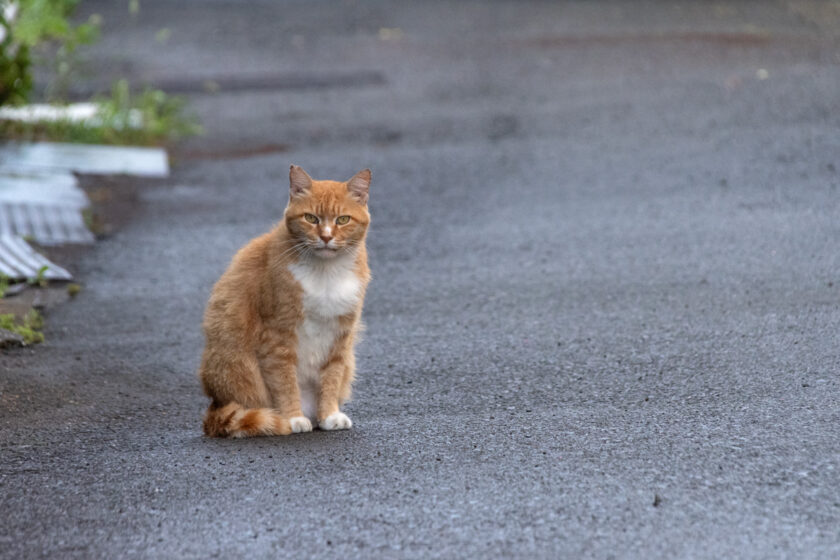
column 326, row 238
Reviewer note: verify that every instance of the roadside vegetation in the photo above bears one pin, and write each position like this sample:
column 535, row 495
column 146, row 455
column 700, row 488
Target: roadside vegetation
column 45, row 38
column 41, row 33
column 28, row 328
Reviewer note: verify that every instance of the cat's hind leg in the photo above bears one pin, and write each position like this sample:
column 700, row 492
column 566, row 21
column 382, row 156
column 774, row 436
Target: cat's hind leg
column 241, row 400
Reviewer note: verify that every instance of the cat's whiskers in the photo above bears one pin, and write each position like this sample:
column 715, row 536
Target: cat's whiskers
column 296, row 248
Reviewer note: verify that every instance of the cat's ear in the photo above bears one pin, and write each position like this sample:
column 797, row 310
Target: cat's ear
column 299, row 181
column 359, row 186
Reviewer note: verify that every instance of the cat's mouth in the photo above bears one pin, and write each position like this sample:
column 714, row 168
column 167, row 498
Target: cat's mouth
column 326, row 251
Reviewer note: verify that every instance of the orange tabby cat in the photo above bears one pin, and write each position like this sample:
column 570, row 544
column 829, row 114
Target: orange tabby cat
column 282, row 320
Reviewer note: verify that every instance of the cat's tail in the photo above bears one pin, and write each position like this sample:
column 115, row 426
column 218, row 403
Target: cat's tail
column 234, row 420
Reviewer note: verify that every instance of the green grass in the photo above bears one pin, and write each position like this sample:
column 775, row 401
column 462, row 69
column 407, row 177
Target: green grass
column 29, row 328
column 162, row 121
column 41, row 278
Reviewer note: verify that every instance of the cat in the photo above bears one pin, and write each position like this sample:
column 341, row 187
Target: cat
column 283, row 319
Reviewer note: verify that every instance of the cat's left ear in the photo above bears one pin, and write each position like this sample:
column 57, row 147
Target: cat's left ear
column 359, row 186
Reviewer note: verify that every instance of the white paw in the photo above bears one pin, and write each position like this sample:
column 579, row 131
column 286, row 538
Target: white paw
column 300, row 424
column 336, row 421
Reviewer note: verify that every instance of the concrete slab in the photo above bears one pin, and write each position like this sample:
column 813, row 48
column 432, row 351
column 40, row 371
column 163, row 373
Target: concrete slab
column 104, row 160
column 38, row 187
column 82, row 113
column 77, row 112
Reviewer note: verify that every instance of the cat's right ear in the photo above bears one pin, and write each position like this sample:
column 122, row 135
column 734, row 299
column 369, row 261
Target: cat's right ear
column 299, row 181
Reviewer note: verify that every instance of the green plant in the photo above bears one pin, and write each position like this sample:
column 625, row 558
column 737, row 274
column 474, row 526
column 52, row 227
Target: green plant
column 42, row 27
column 73, row 289
column 161, row 117
column 34, row 320
column 4, row 285
column 148, row 118
column 40, row 279
column 15, row 62
column 29, row 328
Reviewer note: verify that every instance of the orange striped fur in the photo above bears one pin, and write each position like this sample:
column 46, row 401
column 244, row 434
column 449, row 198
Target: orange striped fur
column 283, row 319
column 232, row 420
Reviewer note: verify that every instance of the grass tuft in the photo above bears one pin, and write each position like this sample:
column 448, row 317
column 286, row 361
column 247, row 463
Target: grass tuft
column 30, row 328
column 147, row 118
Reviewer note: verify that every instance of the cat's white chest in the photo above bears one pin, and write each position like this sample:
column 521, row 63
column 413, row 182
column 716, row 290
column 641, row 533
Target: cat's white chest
column 330, row 290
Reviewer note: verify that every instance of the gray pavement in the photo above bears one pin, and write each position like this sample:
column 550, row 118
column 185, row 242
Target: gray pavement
column 604, row 315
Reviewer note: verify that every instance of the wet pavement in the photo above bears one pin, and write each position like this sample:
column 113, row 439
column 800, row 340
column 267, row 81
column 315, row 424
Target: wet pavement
column 604, row 314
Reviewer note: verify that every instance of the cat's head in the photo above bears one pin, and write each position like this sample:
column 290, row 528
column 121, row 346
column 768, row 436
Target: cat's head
column 327, row 218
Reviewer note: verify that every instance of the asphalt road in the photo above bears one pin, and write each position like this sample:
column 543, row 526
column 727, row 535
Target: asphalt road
column 606, row 300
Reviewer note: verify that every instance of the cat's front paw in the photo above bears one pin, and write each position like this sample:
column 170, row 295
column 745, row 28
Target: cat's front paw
column 300, row 424
column 336, row 421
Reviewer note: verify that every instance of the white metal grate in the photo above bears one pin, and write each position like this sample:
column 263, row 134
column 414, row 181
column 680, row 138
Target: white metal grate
column 18, row 261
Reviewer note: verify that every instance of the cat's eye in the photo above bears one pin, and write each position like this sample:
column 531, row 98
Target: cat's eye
column 341, row 220
column 311, row 218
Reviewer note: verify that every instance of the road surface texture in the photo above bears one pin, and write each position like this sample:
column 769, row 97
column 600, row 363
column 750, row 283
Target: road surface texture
column 606, row 300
